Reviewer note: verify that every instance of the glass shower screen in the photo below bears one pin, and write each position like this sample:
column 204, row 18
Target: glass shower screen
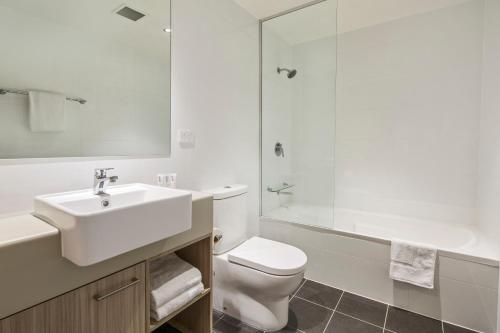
column 298, row 104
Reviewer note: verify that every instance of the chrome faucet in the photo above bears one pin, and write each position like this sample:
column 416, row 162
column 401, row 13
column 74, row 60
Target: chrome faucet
column 101, row 180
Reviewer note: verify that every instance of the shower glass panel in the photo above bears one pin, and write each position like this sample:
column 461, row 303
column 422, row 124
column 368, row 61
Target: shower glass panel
column 298, row 114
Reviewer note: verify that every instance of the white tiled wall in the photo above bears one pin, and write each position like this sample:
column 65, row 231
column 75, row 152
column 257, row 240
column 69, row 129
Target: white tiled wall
column 300, row 113
column 403, row 135
column 314, row 121
column 409, row 95
column 489, row 153
column 465, row 292
column 222, row 113
column 277, row 117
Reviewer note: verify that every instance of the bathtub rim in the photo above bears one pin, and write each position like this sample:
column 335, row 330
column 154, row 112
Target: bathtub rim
column 493, row 262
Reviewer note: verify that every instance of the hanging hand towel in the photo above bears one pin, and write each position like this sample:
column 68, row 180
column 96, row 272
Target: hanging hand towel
column 413, row 263
column 47, row 112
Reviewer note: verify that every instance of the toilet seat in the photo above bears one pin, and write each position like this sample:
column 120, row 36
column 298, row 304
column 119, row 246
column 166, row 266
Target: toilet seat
column 269, row 257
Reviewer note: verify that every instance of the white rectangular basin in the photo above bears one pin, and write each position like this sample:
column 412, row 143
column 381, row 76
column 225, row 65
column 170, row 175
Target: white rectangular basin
column 137, row 215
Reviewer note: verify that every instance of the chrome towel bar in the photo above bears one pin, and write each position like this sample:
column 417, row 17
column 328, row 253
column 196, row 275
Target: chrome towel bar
column 26, row 92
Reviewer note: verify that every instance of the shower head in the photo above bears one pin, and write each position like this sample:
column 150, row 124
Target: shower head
column 291, row 72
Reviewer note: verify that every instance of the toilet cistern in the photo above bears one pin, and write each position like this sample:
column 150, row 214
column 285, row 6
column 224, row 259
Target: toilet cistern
column 101, row 181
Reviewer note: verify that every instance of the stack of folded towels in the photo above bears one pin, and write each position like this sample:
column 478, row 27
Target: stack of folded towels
column 174, row 283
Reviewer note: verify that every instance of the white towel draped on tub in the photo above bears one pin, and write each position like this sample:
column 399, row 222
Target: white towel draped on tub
column 47, row 112
column 176, row 303
column 170, row 277
column 413, row 263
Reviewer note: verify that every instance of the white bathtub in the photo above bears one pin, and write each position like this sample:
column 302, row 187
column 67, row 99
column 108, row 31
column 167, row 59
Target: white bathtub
column 463, row 241
column 350, row 250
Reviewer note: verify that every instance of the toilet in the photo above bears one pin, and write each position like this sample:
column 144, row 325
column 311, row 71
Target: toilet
column 254, row 277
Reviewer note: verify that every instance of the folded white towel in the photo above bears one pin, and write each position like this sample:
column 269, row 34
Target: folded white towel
column 413, row 263
column 176, row 303
column 170, row 277
column 47, row 112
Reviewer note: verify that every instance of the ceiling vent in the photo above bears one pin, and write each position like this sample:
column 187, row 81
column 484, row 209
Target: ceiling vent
column 130, row 13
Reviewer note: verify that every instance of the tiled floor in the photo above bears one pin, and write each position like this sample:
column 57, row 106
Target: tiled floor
column 316, row 308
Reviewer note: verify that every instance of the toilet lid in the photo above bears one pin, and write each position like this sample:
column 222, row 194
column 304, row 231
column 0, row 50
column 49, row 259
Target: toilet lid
column 269, row 257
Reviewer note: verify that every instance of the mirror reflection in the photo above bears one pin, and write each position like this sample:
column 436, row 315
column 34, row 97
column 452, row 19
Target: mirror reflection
column 82, row 79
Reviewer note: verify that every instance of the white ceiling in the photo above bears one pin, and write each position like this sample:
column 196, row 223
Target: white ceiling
column 311, row 23
column 264, row 8
column 319, row 20
column 357, row 14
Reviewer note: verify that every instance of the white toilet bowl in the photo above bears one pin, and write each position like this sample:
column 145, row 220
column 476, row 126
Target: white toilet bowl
column 253, row 281
column 252, row 278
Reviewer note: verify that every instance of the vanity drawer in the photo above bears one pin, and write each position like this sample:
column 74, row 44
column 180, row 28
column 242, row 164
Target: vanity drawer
column 114, row 304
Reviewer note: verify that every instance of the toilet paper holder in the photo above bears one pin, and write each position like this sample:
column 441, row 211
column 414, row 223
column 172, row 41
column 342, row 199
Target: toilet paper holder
column 217, row 238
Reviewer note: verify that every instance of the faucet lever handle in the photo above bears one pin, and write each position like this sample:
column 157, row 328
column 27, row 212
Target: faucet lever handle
column 101, row 172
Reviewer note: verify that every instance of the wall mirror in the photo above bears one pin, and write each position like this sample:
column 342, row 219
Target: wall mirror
column 84, row 78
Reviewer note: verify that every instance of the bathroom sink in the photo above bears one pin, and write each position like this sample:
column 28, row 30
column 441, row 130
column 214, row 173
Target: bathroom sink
column 97, row 227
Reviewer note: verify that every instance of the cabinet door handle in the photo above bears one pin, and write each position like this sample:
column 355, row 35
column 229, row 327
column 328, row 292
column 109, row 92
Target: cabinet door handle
column 128, row 285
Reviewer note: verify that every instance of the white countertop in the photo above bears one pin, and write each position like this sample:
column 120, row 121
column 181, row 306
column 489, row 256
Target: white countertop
column 23, row 228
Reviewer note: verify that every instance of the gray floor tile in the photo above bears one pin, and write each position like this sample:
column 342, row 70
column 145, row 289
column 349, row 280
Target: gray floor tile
column 230, row 325
column 216, row 315
column 448, row 328
column 287, row 329
column 402, row 321
column 308, row 317
column 344, row 324
column 363, row 308
column 320, row 294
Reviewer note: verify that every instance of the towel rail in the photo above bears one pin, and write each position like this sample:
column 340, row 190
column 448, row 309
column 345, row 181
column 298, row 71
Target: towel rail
column 26, row 92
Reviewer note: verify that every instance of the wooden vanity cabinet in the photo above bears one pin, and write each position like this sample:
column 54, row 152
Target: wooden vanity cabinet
column 114, row 304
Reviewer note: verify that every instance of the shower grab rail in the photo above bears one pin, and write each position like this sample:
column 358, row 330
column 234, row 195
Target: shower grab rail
column 26, row 92
column 279, row 190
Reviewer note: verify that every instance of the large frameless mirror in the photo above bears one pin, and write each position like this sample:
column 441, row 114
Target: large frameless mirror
column 84, row 78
